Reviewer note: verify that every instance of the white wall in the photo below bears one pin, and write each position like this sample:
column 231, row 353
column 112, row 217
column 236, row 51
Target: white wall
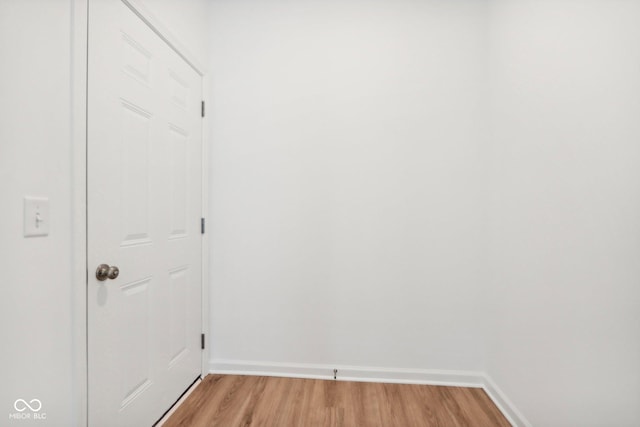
column 35, row 159
column 345, row 182
column 378, row 200
column 565, row 210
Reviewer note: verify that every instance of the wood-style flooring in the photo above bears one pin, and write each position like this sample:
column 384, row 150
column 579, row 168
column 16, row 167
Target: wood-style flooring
column 232, row 400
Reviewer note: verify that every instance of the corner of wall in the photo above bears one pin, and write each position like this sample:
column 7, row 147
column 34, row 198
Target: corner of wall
column 504, row 404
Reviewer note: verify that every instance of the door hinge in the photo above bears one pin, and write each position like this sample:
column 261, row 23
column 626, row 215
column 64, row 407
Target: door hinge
column 201, row 225
column 202, row 109
column 202, row 341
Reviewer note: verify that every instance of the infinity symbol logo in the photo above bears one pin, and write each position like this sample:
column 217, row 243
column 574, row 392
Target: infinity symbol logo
column 21, row 405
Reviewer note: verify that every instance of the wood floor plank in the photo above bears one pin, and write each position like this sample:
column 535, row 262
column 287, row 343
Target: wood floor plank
column 252, row 401
column 484, row 403
column 437, row 398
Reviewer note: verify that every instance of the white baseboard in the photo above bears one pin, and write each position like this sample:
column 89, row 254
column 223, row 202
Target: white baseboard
column 373, row 374
column 348, row 373
column 503, row 403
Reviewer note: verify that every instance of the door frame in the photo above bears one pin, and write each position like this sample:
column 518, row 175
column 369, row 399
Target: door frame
column 78, row 146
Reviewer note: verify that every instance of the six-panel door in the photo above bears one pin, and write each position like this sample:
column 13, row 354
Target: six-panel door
column 144, row 209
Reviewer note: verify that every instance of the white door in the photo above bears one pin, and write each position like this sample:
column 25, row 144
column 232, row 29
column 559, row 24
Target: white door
column 144, row 209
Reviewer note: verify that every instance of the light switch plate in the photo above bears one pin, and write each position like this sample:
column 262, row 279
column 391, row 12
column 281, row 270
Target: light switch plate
column 36, row 216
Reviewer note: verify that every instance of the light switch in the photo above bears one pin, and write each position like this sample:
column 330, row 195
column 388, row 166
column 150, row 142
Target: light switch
column 36, row 216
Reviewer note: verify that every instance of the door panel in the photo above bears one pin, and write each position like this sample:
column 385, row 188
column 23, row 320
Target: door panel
column 144, row 209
